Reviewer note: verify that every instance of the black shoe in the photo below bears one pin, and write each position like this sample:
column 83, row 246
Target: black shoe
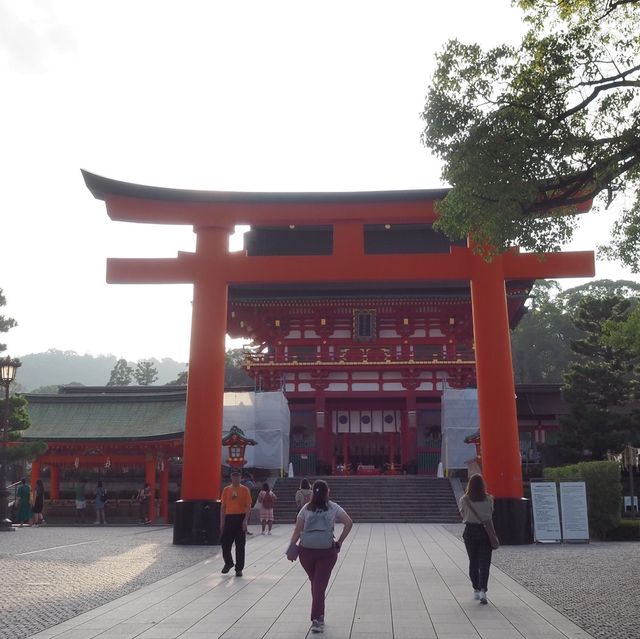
column 238, row 573
column 227, row 568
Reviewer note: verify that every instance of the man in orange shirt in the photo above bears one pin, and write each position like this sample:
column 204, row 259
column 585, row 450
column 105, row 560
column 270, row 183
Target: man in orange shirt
column 234, row 516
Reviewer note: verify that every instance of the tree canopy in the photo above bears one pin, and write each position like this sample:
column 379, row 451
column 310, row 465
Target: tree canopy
column 5, row 322
column 145, row 373
column 530, row 133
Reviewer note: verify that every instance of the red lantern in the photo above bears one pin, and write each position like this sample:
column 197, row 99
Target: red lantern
column 236, row 441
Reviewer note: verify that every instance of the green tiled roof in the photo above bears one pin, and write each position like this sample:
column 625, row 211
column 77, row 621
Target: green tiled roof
column 106, row 416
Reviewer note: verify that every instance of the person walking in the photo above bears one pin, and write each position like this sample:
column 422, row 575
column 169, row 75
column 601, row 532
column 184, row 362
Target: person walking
column 24, row 503
column 234, row 516
column 303, row 496
column 101, row 500
column 318, row 550
column 476, row 508
column 144, row 497
column 81, row 501
column 38, row 504
column 267, row 500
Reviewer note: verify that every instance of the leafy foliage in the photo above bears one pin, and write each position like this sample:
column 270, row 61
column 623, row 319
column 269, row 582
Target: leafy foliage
column 530, row 133
column 601, row 385
column 121, row 374
column 5, row 322
column 604, row 492
column 145, row 373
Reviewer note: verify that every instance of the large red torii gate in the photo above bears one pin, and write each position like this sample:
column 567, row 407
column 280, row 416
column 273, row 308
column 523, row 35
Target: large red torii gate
column 212, row 268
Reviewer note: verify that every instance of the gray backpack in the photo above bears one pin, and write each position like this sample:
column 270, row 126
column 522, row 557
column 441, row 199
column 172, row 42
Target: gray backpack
column 318, row 531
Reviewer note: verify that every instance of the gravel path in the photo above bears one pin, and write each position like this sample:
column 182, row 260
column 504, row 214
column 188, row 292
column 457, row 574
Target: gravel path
column 595, row 585
column 48, row 575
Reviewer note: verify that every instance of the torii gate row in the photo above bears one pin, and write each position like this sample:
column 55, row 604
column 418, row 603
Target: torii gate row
column 212, row 268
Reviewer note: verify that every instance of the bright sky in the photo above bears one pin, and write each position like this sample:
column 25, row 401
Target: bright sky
column 274, row 96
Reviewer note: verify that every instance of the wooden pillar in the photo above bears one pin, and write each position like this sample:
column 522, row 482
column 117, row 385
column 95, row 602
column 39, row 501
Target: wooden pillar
column 150, row 478
column 164, row 491
column 54, row 488
column 404, row 438
column 202, row 456
column 345, row 450
column 36, row 471
column 501, row 464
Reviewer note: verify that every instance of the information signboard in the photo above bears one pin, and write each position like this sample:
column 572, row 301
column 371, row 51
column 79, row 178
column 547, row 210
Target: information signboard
column 573, row 501
column 546, row 515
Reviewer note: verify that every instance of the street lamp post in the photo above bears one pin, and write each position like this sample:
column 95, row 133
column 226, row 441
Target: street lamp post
column 8, row 368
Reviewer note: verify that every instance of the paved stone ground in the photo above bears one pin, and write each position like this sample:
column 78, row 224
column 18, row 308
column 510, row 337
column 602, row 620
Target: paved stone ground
column 596, row 585
column 51, row 574
column 392, row 581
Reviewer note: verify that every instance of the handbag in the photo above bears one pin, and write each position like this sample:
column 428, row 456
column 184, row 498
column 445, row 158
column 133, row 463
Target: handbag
column 488, row 526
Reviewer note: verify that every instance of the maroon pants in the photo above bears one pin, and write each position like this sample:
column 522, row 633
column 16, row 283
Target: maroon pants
column 318, row 564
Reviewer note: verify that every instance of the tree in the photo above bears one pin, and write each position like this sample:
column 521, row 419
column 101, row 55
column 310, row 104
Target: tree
column 145, row 373
column 19, row 421
column 51, row 389
column 180, row 380
column 541, row 342
column 602, row 384
column 5, row 322
column 234, row 372
column 120, row 374
column 530, row 133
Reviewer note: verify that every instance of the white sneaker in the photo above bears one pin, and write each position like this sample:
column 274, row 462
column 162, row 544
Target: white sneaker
column 263, row 533
column 269, row 533
column 317, row 626
column 483, row 597
column 476, row 594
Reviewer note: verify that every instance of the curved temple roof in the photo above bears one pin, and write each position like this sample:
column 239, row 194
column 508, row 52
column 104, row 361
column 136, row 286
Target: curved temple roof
column 101, row 186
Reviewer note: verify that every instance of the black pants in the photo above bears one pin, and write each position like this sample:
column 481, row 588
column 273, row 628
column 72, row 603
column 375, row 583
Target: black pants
column 233, row 533
column 479, row 550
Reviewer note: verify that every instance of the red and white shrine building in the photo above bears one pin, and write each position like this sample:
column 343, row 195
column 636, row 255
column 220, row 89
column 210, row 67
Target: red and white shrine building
column 363, row 370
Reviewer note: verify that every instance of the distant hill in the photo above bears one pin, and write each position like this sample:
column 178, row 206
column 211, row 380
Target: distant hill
column 55, row 367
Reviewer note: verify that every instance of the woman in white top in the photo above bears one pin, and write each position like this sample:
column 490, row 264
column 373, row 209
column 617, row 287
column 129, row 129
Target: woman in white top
column 318, row 550
column 476, row 506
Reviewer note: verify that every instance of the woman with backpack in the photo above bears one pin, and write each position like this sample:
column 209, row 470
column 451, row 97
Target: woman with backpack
column 318, row 550
column 303, row 496
column 267, row 500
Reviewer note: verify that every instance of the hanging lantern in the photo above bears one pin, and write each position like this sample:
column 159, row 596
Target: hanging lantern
column 107, row 464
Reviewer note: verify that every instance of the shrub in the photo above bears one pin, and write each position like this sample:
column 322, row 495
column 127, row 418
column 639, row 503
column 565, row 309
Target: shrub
column 628, row 530
column 604, row 491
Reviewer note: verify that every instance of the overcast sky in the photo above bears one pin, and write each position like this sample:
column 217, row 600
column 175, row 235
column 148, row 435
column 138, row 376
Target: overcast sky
column 268, row 95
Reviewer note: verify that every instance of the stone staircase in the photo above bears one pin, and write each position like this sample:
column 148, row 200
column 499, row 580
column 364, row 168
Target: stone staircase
column 401, row 499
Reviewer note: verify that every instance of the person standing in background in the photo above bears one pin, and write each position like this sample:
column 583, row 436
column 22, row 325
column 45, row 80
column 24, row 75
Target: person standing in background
column 38, row 504
column 303, row 496
column 234, row 517
column 267, row 500
column 81, row 501
column 24, row 503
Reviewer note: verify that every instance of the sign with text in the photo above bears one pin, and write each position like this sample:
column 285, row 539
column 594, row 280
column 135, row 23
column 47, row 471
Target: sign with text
column 546, row 515
column 573, row 501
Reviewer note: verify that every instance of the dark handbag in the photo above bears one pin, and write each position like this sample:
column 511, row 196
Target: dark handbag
column 488, row 526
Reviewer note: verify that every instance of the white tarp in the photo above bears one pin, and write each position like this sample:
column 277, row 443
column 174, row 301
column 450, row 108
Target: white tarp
column 459, row 419
column 263, row 417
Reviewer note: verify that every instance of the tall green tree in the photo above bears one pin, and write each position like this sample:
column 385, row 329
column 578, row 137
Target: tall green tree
column 528, row 133
column 121, row 374
column 601, row 386
column 5, row 322
column 145, row 373
column 541, row 342
column 18, row 416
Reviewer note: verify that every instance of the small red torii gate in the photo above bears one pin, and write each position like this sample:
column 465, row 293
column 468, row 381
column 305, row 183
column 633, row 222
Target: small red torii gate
column 212, row 268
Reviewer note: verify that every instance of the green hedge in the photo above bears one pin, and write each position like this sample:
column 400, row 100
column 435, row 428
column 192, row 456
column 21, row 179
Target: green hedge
column 604, row 491
column 628, row 530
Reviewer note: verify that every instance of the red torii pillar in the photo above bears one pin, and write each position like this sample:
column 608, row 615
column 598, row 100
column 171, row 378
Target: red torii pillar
column 212, row 268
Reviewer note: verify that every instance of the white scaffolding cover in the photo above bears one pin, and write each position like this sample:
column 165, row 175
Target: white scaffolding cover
column 263, row 417
column 459, row 419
